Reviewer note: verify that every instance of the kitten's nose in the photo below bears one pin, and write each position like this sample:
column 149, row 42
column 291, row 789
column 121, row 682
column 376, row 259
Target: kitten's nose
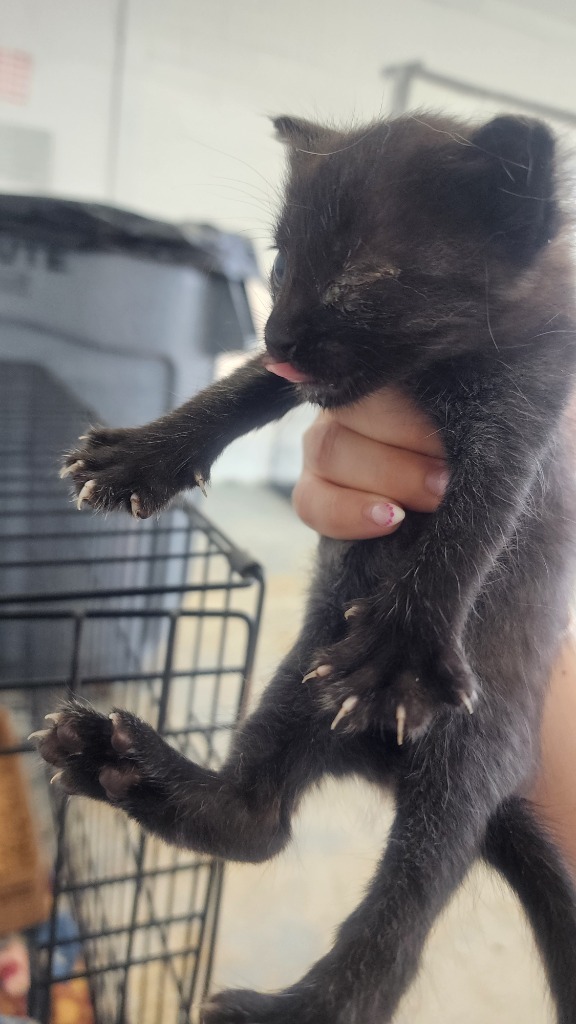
column 279, row 343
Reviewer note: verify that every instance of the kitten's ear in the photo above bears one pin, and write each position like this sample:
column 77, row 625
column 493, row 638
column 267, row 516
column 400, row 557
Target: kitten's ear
column 301, row 134
column 521, row 152
column 508, row 174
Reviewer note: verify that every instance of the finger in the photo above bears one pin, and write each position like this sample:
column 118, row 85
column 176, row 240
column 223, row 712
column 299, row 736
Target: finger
column 351, row 460
column 342, row 513
column 392, row 417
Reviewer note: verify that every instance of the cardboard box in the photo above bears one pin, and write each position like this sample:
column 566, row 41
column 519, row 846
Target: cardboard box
column 23, row 888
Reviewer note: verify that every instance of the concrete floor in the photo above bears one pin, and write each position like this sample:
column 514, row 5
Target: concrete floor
column 480, row 964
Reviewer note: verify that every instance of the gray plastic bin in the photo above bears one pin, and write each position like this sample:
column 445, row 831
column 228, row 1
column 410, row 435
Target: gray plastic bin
column 104, row 316
column 129, row 313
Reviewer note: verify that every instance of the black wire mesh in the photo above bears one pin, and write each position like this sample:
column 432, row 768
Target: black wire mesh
column 159, row 617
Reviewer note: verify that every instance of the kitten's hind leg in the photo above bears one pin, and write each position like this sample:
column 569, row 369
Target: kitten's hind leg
column 438, row 831
column 518, row 847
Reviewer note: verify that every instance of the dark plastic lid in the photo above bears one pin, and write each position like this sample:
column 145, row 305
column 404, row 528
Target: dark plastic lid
column 95, row 227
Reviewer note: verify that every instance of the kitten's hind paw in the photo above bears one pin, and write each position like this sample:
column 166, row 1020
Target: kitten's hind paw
column 391, row 691
column 362, row 703
column 397, row 685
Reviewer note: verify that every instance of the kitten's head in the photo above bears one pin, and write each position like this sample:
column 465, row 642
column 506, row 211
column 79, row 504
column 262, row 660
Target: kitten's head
column 391, row 238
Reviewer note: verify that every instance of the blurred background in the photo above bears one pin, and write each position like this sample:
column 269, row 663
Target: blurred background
column 139, row 179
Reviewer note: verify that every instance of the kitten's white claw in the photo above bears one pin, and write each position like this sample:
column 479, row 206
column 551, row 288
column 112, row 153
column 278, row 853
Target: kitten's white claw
column 318, row 673
column 352, row 611
column 86, row 493
column 39, row 735
column 201, row 483
column 467, row 702
column 54, row 716
column 347, row 707
column 400, row 724
column 56, row 778
column 72, row 468
column 136, row 506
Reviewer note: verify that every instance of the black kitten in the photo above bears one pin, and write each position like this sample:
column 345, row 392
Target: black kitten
column 433, row 256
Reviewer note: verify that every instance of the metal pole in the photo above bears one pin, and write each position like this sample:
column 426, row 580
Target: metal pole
column 402, row 75
column 405, row 74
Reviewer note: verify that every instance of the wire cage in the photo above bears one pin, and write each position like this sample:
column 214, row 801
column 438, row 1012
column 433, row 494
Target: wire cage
column 159, row 617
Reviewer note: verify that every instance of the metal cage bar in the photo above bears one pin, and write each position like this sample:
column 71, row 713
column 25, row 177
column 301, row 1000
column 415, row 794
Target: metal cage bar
column 160, row 617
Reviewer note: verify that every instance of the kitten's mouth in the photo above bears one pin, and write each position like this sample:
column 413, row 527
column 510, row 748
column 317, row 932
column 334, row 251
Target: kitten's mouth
column 289, row 372
column 324, row 393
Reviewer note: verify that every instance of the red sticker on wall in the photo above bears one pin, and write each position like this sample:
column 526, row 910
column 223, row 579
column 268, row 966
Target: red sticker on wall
column 15, row 75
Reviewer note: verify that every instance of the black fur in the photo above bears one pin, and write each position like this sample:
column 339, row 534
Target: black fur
column 433, row 256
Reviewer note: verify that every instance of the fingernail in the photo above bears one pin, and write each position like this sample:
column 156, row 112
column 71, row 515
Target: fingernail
column 437, row 481
column 386, row 514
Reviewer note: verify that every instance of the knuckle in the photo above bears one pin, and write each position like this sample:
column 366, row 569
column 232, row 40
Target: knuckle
column 317, row 506
column 319, row 443
column 303, row 500
column 300, row 499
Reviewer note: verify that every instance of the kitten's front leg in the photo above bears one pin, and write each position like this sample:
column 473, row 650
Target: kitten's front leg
column 140, row 469
column 241, row 812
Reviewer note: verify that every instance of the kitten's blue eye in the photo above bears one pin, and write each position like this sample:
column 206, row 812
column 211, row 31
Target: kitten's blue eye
column 278, row 269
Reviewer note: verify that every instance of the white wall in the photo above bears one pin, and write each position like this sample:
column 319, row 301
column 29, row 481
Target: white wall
column 202, row 74
column 71, row 45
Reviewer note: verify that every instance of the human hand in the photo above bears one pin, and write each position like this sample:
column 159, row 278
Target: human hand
column 364, row 464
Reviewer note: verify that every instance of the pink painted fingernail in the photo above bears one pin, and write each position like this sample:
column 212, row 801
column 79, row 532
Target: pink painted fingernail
column 386, row 514
column 437, row 481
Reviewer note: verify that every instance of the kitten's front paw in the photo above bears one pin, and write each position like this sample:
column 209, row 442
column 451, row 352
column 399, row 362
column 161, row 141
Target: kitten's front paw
column 106, row 758
column 136, row 469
